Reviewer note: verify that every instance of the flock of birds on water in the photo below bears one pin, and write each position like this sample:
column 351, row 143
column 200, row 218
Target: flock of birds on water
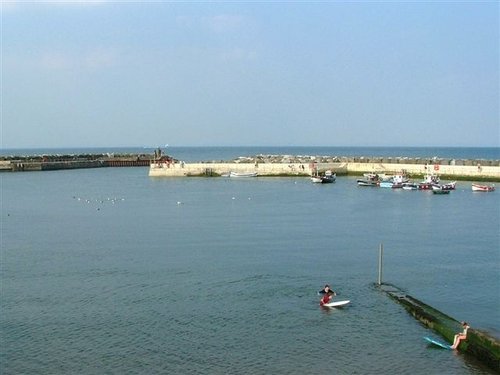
column 99, row 201
column 115, row 200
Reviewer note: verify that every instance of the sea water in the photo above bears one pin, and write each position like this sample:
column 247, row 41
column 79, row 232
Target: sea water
column 110, row 271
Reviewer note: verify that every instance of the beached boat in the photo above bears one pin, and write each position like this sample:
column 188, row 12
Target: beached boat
column 485, row 188
column 243, row 174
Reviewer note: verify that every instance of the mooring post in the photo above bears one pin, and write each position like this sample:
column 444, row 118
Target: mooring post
column 380, row 254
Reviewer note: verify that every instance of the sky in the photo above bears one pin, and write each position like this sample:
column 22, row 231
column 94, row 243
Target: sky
column 241, row 73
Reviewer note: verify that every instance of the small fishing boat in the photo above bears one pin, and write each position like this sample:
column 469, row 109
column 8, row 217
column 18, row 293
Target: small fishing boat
column 449, row 186
column 429, row 181
column 327, row 178
column 410, row 186
column 394, row 182
column 440, row 191
column 367, row 182
column 369, row 179
column 480, row 187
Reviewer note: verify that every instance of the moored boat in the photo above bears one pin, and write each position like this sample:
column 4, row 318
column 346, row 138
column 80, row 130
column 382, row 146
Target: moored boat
column 449, row 186
column 394, row 182
column 367, row 182
column 242, row 174
column 410, row 186
column 369, row 179
column 316, row 179
column 429, row 181
column 328, row 177
column 480, row 187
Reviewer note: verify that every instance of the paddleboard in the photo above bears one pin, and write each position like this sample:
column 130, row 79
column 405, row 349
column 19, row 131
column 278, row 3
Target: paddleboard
column 438, row 343
column 336, row 303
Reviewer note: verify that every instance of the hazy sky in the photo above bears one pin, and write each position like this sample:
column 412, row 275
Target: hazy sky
column 365, row 73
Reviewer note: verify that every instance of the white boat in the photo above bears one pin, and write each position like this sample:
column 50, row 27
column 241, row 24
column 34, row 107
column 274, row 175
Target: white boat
column 447, row 187
column 486, row 188
column 242, row 174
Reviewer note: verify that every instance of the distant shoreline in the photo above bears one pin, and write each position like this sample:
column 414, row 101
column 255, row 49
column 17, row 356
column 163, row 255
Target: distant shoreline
column 218, row 153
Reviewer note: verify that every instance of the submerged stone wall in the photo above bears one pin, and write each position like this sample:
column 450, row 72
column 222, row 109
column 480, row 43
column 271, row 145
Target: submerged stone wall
column 479, row 344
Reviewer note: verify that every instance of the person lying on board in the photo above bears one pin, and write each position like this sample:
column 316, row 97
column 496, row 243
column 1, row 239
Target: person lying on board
column 460, row 336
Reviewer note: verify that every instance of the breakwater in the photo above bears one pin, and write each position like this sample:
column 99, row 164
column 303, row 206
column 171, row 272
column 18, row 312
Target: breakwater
column 56, row 162
column 479, row 344
column 284, row 165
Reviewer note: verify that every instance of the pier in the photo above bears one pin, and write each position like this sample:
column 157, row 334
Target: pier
column 56, row 162
column 285, row 165
column 478, row 344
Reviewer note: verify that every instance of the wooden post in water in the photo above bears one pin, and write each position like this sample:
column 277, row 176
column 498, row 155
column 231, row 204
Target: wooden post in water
column 380, row 254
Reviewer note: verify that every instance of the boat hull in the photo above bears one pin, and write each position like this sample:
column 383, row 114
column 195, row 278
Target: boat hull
column 483, row 188
column 242, row 174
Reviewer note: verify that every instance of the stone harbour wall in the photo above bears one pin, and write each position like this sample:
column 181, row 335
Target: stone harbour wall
column 469, row 172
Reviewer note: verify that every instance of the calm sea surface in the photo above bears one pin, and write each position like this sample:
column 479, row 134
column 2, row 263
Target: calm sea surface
column 110, row 271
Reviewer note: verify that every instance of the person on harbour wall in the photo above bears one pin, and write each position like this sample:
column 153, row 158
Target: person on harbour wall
column 460, row 336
